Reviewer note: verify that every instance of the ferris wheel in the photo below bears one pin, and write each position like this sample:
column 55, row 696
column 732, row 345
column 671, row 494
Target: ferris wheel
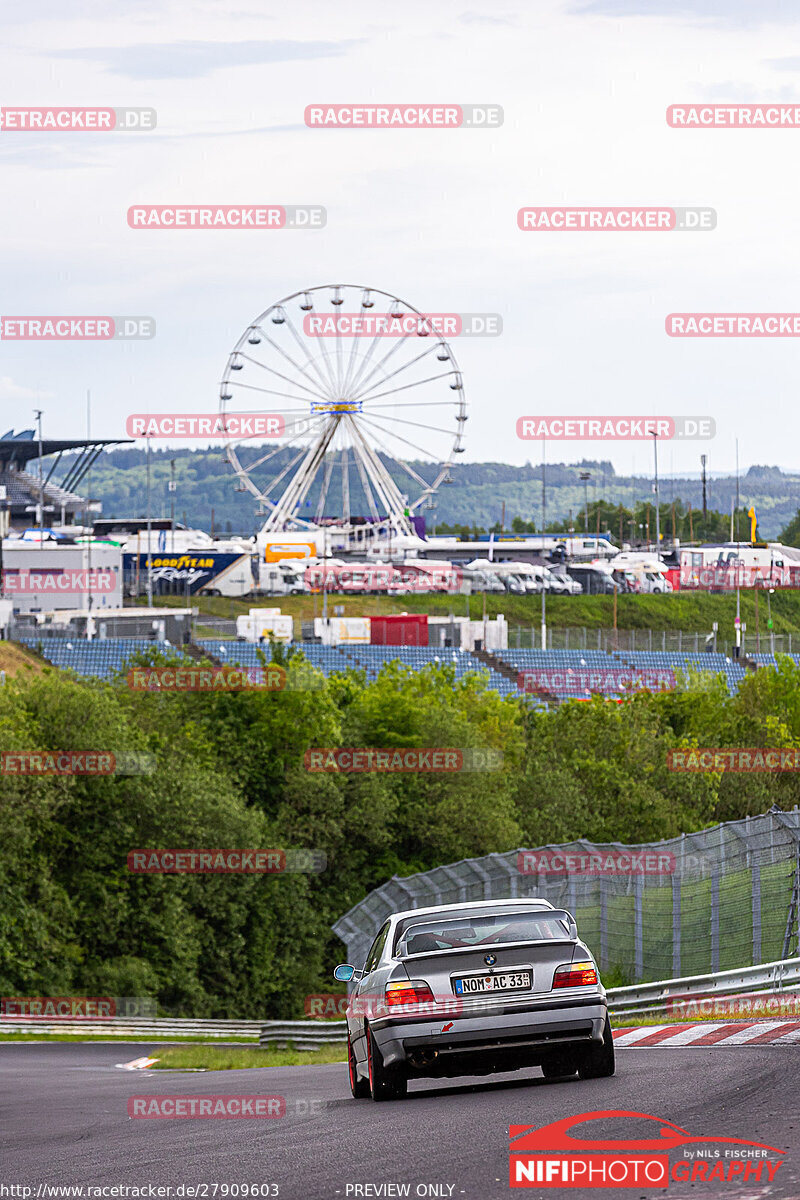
column 371, row 403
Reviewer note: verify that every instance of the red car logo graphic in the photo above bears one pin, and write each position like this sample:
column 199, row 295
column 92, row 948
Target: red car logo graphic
column 667, row 1136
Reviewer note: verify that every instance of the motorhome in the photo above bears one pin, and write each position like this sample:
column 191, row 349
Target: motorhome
column 731, row 565
column 638, row 572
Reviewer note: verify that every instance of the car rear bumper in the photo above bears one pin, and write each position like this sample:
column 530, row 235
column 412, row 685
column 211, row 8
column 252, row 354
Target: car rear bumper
column 538, row 1031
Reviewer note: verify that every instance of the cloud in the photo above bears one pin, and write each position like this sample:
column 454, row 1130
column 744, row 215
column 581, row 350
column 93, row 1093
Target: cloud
column 57, row 154
column 727, row 12
column 474, row 18
column 11, row 392
column 193, row 60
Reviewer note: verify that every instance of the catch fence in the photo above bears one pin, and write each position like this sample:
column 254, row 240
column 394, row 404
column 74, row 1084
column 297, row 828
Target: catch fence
column 676, row 641
column 722, row 898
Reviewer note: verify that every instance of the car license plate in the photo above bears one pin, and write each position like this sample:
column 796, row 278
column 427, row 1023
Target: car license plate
column 509, row 981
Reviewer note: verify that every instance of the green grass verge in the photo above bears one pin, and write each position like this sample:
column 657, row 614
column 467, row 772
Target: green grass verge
column 689, row 611
column 234, row 1058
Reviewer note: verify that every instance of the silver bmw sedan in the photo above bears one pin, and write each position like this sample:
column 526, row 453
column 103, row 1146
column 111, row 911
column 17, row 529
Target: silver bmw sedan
column 474, row 988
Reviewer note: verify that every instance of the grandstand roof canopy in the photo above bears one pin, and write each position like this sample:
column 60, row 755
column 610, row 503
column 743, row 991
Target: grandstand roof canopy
column 23, row 446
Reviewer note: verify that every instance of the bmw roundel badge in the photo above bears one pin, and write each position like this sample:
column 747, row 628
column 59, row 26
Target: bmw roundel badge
column 490, row 959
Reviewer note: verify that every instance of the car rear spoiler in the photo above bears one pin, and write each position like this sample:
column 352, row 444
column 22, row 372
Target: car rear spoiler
column 562, row 913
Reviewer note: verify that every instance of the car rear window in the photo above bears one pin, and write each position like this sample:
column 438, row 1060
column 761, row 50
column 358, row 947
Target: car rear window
column 482, row 930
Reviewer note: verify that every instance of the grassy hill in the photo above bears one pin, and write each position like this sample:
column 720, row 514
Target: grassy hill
column 688, row 611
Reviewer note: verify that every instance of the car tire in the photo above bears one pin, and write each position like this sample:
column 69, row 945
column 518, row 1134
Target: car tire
column 358, row 1086
column 558, row 1068
column 385, row 1083
column 599, row 1062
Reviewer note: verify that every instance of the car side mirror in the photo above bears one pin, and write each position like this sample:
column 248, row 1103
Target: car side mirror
column 344, row 972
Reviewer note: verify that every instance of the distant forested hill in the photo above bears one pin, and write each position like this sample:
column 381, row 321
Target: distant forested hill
column 475, row 496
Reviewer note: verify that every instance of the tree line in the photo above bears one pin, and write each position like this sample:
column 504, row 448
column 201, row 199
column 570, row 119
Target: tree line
column 230, row 773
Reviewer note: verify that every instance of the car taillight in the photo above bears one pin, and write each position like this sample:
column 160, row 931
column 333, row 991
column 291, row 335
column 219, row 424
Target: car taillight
column 577, row 974
column 412, row 991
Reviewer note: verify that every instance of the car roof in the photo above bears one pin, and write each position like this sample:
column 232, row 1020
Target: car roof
column 518, row 902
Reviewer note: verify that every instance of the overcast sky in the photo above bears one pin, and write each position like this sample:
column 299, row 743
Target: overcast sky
column 427, row 215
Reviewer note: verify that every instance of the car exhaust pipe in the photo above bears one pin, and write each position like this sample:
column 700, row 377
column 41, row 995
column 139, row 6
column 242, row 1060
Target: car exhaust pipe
column 423, row 1057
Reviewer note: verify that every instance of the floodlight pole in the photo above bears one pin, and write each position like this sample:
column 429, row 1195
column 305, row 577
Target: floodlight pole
column 149, row 536
column 655, row 488
column 38, row 414
column 544, row 524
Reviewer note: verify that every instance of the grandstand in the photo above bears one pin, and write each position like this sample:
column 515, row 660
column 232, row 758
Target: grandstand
column 18, row 450
column 100, row 658
column 103, row 657
column 580, row 661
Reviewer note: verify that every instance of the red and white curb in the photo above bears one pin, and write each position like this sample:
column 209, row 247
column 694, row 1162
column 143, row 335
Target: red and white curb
column 710, row 1033
column 137, row 1064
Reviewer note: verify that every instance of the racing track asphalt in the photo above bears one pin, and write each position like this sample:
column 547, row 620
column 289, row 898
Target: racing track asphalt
column 63, row 1120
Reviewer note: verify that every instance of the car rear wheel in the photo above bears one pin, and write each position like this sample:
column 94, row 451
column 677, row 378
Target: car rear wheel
column 557, row 1068
column 385, row 1083
column 599, row 1062
column 358, row 1086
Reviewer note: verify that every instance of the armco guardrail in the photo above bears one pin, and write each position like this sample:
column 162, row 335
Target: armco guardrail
column 767, row 979
column 155, row 1029
column 305, row 1035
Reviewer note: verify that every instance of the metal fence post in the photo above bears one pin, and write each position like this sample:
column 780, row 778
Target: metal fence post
column 676, row 926
column 603, row 882
column 715, row 918
column 755, row 876
column 571, row 895
column 638, row 945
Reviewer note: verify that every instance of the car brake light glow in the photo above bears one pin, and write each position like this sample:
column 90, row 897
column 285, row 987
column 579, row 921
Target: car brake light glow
column 412, row 991
column 576, row 974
